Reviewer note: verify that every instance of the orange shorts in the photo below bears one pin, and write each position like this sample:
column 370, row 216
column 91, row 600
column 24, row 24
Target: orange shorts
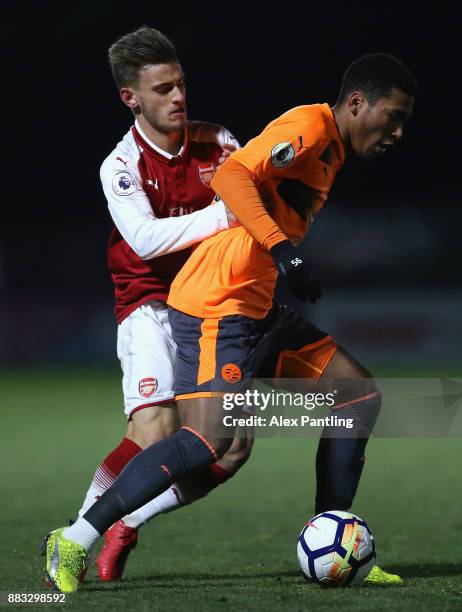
column 223, row 355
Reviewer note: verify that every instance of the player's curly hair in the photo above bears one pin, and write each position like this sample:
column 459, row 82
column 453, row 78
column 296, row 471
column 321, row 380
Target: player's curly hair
column 137, row 49
column 376, row 74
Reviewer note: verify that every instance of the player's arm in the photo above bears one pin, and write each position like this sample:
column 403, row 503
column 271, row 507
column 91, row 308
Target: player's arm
column 281, row 145
column 228, row 143
column 146, row 234
column 237, row 183
column 236, row 186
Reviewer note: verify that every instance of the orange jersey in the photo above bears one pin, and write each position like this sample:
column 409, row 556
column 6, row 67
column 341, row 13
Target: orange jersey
column 292, row 163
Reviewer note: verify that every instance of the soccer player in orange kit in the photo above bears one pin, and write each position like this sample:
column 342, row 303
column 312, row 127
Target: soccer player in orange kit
column 221, row 302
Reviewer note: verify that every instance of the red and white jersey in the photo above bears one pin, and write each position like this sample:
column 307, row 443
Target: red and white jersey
column 159, row 205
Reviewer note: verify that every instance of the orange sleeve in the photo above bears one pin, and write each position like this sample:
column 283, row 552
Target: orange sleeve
column 236, row 187
column 296, row 135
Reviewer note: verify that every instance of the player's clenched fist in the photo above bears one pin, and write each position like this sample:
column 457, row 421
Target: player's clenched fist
column 291, row 265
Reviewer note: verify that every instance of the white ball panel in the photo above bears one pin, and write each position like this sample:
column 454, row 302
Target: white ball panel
column 321, row 533
column 365, row 546
column 323, row 564
column 303, row 560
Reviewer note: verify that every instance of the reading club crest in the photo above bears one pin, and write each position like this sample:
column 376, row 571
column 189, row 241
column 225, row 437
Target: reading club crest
column 147, row 387
column 231, row 373
column 206, row 172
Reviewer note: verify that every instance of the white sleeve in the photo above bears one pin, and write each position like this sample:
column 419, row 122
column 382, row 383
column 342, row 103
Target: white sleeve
column 212, row 132
column 225, row 137
column 133, row 216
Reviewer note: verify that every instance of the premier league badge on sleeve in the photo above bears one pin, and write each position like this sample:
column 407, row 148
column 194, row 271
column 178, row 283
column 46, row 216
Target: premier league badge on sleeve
column 282, row 154
column 123, row 183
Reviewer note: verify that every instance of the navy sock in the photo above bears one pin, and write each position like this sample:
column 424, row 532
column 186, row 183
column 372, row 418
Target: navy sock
column 147, row 475
column 340, row 459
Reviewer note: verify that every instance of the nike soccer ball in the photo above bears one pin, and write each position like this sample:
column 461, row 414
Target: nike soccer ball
column 336, row 548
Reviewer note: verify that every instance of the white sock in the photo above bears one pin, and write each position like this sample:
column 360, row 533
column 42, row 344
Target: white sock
column 165, row 502
column 92, row 495
column 82, row 532
column 102, row 480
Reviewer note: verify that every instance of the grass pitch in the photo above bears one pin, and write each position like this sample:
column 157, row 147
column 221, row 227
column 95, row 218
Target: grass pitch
column 234, row 550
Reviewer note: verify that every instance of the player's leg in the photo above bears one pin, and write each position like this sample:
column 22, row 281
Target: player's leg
column 150, row 424
column 199, row 442
column 340, row 459
column 146, row 351
column 302, row 351
column 341, row 455
column 197, row 485
column 308, row 353
column 239, row 451
column 146, row 354
column 232, row 453
column 149, row 473
column 205, row 349
column 147, row 426
column 122, row 537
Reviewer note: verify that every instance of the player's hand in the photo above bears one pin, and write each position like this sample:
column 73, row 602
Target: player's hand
column 226, row 151
column 290, row 263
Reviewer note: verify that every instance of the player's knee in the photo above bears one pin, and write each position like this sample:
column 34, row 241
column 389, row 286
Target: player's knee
column 344, row 366
column 238, row 453
column 153, row 423
column 350, row 379
column 203, row 416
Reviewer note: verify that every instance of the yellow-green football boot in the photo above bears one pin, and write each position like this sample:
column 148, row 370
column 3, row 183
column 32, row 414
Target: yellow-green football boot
column 66, row 562
column 381, row 577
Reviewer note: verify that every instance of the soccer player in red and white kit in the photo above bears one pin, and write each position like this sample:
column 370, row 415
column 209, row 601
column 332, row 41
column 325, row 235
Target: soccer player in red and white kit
column 157, row 184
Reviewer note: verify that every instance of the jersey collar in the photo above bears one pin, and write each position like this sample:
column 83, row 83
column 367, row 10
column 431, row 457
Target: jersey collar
column 157, row 149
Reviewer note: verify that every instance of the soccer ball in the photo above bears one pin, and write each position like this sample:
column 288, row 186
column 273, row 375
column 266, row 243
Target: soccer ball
column 336, row 548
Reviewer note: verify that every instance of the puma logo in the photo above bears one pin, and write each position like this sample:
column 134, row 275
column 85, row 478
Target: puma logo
column 300, row 140
column 122, row 160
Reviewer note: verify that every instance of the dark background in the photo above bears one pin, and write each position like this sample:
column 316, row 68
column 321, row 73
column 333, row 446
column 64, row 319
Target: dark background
column 391, row 224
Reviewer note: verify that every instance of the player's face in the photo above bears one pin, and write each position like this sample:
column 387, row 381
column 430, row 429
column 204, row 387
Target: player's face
column 378, row 127
column 160, row 97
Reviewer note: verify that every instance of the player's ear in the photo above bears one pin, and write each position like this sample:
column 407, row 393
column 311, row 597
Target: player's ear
column 356, row 101
column 129, row 98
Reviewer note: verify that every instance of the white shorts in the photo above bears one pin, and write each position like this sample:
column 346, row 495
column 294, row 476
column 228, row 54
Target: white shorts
column 146, row 351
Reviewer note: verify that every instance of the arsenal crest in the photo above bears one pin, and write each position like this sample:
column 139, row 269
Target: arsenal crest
column 147, row 387
column 206, row 172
